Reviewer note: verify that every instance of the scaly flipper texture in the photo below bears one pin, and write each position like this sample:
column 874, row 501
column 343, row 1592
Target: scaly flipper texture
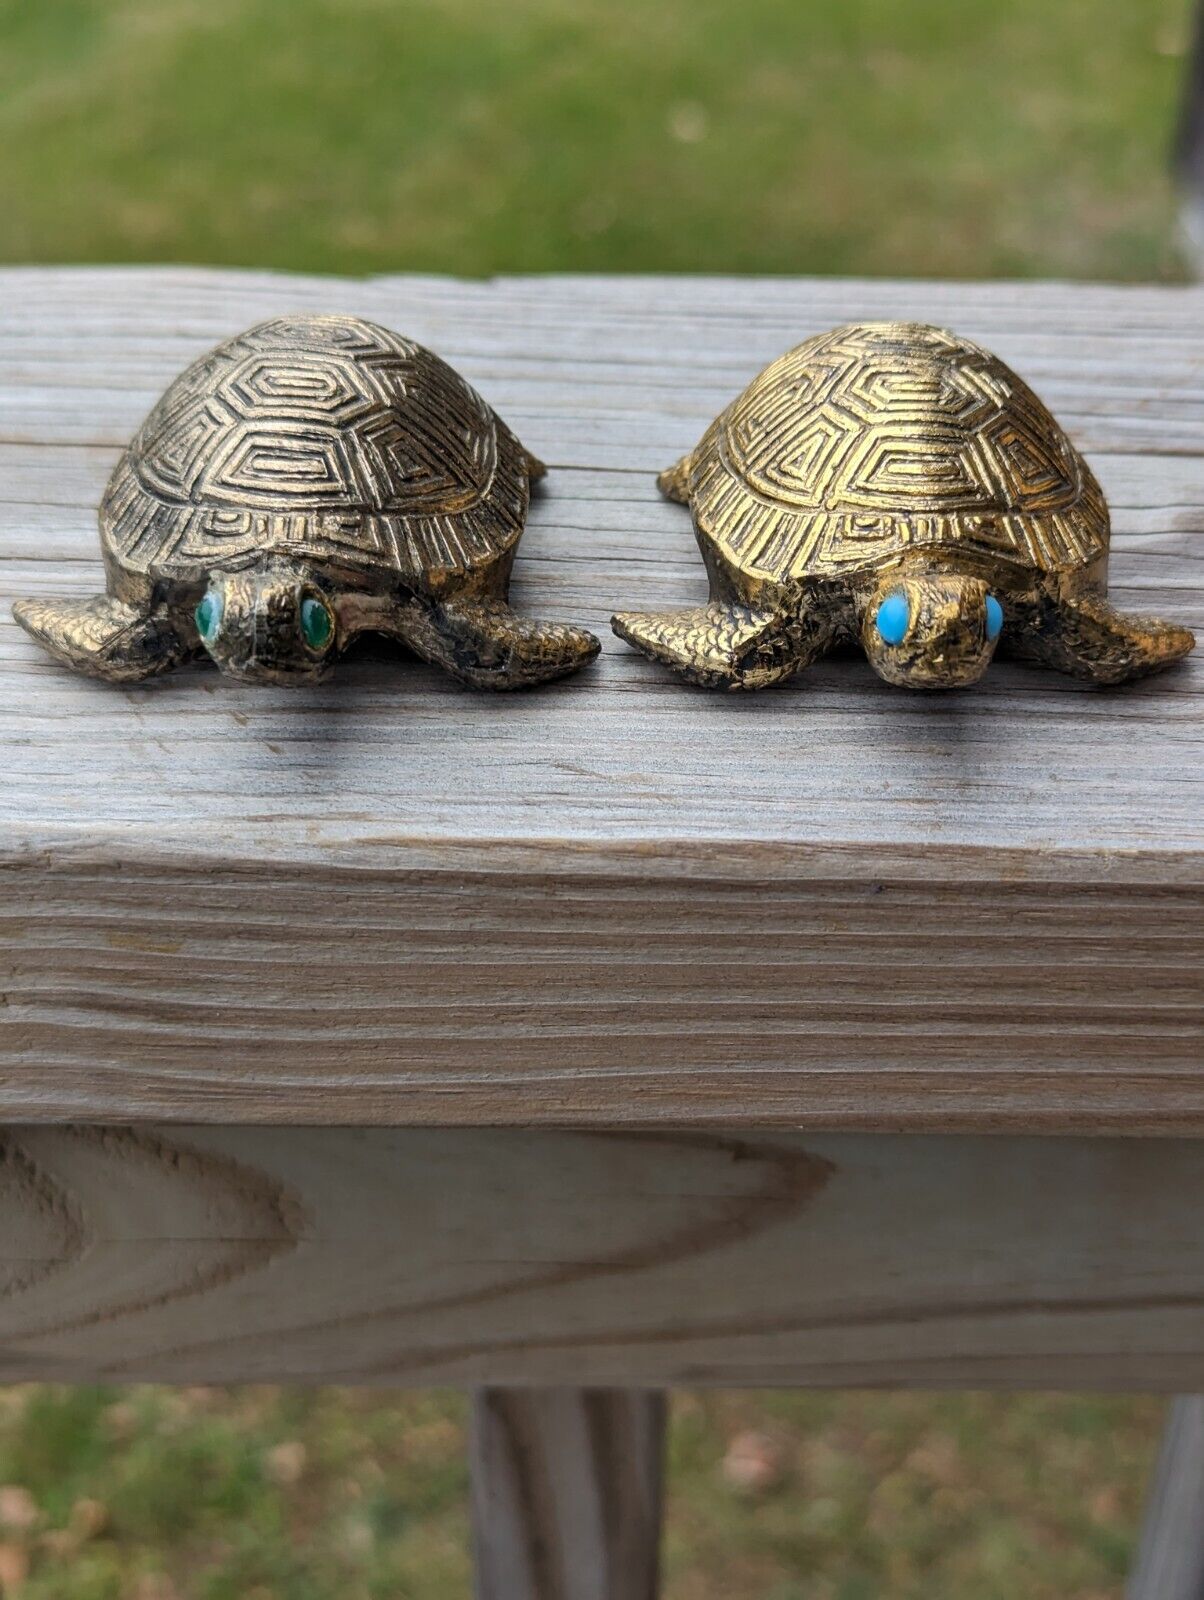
column 674, row 482
column 1086, row 636
column 105, row 638
column 727, row 646
column 488, row 645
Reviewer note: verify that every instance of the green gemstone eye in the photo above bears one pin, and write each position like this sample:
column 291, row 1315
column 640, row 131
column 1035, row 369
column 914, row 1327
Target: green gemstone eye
column 317, row 624
column 209, row 616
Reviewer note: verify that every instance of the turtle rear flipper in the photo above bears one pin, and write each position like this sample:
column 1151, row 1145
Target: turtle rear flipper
column 727, row 646
column 674, row 482
column 490, row 646
column 105, row 638
column 1088, row 637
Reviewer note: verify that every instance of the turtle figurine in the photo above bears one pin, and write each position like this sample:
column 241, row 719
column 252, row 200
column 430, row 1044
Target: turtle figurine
column 310, row 480
column 891, row 483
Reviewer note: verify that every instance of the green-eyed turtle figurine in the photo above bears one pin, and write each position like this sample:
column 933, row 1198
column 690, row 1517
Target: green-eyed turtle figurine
column 315, row 478
column 891, row 483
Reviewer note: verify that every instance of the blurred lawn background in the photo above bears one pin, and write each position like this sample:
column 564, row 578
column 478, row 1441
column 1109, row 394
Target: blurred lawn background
column 944, row 137
column 263, row 1494
column 907, row 137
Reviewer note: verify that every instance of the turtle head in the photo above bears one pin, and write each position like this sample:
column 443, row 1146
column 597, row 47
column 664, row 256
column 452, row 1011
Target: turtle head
column 931, row 630
column 273, row 625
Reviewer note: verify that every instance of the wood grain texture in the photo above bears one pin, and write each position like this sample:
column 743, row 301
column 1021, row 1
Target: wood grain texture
column 1170, row 1558
column 504, row 1257
column 644, row 987
column 566, row 1493
column 619, row 900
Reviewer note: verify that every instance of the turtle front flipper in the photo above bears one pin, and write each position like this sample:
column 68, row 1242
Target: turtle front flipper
column 487, row 644
column 106, row 638
column 728, row 646
column 1083, row 634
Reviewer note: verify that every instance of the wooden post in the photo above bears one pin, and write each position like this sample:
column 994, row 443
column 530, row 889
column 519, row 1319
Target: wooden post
column 1170, row 1559
column 1189, row 136
column 566, row 1493
column 1189, row 144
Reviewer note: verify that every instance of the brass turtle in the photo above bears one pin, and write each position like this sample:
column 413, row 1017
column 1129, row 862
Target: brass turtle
column 892, row 483
column 312, row 479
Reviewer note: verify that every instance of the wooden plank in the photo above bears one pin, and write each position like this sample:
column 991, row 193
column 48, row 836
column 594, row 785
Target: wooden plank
column 566, row 1493
column 617, row 900
column 1170, row 1558
column 508, row 1258
column 645, row 986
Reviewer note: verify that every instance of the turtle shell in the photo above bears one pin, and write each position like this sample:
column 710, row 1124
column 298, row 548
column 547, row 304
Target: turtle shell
column 881, row 438
column 322, row 438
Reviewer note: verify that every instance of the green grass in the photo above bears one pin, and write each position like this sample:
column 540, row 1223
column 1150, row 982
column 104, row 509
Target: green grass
column 263, row 1494
column 943, row 137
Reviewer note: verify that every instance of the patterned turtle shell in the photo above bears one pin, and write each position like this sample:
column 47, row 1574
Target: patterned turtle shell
column 872, row 440
column 384, row 459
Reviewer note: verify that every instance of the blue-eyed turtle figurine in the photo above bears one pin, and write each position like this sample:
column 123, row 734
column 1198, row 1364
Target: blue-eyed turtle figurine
column 892, row 484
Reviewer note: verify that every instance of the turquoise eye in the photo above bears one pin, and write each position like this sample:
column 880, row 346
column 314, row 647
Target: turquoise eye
column 994, row 617
column 317, row 624
column 209, row 616
column 894, row 615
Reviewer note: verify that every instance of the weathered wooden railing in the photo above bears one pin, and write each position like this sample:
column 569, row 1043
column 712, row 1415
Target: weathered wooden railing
column 618, row 1035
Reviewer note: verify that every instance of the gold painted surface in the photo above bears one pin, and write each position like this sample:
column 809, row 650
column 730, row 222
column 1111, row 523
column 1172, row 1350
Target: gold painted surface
column 895, row 459
column 313, row 460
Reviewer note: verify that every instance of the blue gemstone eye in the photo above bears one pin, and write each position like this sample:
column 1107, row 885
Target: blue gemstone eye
column 892, row 619
column 994, row 617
